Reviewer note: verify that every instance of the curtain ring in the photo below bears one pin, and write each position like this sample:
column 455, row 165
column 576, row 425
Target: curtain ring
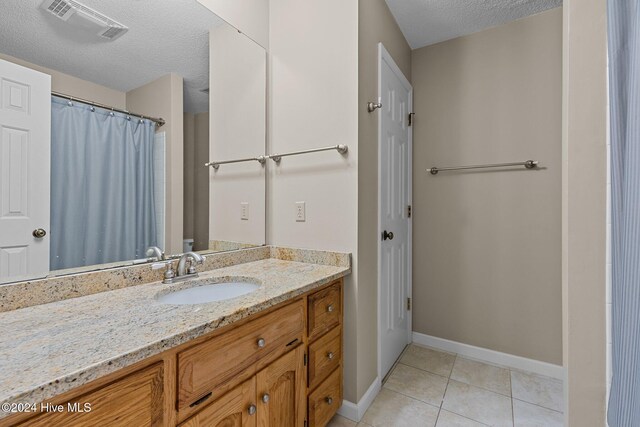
column 93, row 109
column 112, row 114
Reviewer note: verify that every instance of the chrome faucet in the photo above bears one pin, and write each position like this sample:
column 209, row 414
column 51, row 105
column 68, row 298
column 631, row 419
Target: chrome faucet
column 186, row 267
column 192, row 258
column 155, row 252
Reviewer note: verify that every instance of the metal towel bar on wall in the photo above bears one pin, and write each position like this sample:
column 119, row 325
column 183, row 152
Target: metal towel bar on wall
column 340, row 148
column 529, row 164
column 216, row 165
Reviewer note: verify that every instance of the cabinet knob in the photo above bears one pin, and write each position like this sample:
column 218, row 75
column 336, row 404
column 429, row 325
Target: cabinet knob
column 330, row 355
column 261, row 343
column 329, row 400
column 265, row 398
column 252, row 410
column 39, row 233
column 330, row 308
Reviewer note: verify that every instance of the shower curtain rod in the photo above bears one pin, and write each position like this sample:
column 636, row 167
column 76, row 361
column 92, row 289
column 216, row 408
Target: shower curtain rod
column 158, row 121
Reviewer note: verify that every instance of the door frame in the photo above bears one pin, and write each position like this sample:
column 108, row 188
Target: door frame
column 384, row 55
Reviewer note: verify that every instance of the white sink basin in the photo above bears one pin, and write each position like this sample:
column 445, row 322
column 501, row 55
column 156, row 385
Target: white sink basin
column 208, row 293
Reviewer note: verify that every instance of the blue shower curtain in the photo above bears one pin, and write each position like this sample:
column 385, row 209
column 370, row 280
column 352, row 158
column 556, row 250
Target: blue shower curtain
column 102, row 206
column 624, row 88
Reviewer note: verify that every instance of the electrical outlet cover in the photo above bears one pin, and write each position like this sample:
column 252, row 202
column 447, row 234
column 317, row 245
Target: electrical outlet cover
column 244, row 211
column 301, row 212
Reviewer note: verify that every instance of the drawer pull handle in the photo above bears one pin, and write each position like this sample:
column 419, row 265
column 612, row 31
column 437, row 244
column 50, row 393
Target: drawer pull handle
column 252, row 410
column 329, row 400
column 330, row 308
column 261, row 343
column 330, row 355
column 202, row 399
column 265, row 398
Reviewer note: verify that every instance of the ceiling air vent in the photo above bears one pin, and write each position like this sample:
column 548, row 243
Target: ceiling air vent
column 80, row 15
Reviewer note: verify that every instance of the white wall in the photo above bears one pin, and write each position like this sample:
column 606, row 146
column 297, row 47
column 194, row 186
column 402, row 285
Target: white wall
column 237, row 130
column 249, row 16
column 584, row 210
column 313, row 103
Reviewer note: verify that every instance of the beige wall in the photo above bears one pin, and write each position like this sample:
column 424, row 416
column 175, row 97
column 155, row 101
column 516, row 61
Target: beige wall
column 487, row 244
column 376, row 24
column 163, row 98
column 201, row 183
column 249, row 16
column 584, row 184
column 188, row 123
column 73, row 86
column 196, row 179
column 313, row 103
column 238, row 130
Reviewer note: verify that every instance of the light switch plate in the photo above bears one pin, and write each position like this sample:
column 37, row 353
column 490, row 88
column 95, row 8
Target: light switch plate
column 244, row 211
column 301, row 212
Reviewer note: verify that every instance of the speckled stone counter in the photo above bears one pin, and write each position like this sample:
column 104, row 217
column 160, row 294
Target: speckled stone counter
column 52, row 348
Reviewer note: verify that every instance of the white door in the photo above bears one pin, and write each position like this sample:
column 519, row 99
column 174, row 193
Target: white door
column 394, row 174
column 25, row 133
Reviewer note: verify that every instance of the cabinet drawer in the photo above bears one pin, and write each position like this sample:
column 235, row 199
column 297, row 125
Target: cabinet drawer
column 220, row 360
column 325, row 310
column 325, row 355
column 325, row 400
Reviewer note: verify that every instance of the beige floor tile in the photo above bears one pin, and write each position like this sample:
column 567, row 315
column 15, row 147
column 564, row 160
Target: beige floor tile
column 339, row 421
column 391, row 409
column 528, row 415
column 536, row 389
column 482, row 375
column 433, row 361
column 478, row 404
column 418, row 384
column 449, row 419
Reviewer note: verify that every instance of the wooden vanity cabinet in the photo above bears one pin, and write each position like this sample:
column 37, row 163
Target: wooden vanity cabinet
column 325, row 308
column 279, row 368
column 135, row 400
column 231, row 410
column 274, row 397
column 282, row 391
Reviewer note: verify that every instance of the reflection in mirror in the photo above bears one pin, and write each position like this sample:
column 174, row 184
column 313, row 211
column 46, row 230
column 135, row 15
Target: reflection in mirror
column 108, row 112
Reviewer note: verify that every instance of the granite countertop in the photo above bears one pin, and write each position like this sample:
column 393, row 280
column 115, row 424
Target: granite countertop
column 52, row 348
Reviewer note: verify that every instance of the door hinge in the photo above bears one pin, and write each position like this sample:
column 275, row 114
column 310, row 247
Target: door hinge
column 408, row 304
column 411, row 118
column 305, row 359
column 409, row 211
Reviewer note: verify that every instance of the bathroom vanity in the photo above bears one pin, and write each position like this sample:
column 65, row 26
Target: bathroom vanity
column 269, row 358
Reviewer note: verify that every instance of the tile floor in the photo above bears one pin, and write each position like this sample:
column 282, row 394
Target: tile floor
column 431, row 388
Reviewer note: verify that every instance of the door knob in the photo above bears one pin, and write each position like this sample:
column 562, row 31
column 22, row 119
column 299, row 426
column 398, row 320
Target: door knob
column 265, row 398
column 329, row 400
column 252, row 409
column 261, row 343
column 39, row 233
column 387, row 235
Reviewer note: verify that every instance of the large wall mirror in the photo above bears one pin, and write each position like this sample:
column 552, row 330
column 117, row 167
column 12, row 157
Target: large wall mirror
column 108, row 113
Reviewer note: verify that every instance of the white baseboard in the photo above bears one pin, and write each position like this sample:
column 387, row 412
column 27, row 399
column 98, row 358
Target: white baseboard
column 491, row 356
column 354, row 411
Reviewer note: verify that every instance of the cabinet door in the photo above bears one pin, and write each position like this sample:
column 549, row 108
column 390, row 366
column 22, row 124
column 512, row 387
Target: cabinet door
column 135, row 400
column 281, row 391
column 235, row 409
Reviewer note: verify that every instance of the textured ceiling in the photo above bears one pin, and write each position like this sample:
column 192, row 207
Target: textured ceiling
column 163, row 37
column 426, row 22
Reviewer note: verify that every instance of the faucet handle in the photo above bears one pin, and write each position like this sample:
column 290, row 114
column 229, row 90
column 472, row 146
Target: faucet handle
column 169, row 274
